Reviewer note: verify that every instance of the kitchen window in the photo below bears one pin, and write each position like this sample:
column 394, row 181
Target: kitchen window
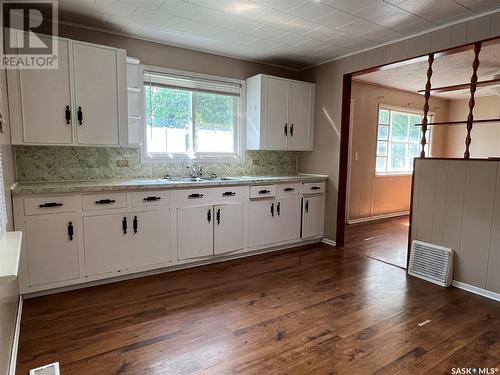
column 398, row 140
column 191, row 116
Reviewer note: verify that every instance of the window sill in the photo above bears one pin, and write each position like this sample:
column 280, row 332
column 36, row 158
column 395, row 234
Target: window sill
column 173, row 158
column 401, row 174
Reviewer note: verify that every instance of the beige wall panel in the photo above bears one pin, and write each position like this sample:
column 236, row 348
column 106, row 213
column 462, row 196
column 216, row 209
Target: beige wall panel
column 493, row 274
column 472, row 257
column 425, row 200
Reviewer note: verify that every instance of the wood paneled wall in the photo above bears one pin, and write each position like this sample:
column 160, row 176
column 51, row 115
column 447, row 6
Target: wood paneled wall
column 456, row 203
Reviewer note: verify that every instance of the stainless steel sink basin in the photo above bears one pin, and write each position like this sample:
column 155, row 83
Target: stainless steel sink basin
column 200, row 179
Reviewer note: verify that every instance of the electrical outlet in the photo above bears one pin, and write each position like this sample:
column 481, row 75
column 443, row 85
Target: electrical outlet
column 122, row 163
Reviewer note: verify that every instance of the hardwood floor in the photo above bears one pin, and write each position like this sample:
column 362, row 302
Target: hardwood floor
column 313, row 310
column 385, row 240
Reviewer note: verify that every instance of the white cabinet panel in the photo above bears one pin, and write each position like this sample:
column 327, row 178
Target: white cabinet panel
column 276, row 112
column 301, row 97
column 195, row 232
column 106, row 243
column 52, row 254
column 150, row 236
column 38, row 100
column 287, row 223
column 228, row 228
column 313, row 212
column 96, row 94
column 261, row 222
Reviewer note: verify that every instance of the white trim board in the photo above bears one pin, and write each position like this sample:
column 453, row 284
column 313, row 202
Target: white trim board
column 329, row 241
column 15, row 342
column 377, row 217
column 476, row 290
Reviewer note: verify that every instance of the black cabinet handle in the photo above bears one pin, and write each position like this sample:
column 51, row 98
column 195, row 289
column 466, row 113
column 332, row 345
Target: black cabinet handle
column 307, row 206
column 105, row 201
column 150, row 199
column 272, row 209
column 209, row 215
column 228, row 194
column 286, row 129
column 134, row 224
column 315, row 188
column 80, row 115
column 195, row 195
column 124, row 225
column 67, row 114
column 278, row 206
column 218, row 216
column 50, row 204
column 288, row 189
column 264, row 191
column 70, row 231
column 291, row 130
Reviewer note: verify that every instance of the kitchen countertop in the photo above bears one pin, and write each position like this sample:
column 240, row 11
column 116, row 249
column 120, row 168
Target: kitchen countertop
column 23, row 188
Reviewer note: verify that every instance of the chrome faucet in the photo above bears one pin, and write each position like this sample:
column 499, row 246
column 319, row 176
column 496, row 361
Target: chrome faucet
column 195, row 171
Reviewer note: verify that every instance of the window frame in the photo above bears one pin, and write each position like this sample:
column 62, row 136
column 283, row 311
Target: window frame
column 239, row 116
column 409, row 110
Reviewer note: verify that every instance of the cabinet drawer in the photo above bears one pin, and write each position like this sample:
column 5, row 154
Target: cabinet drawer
column 262, row 191
column 286, row 190
column 50, row 205
column 104, row 201
column 150, row 198
column 189, row 197
column 231, row 193
column 313, row 187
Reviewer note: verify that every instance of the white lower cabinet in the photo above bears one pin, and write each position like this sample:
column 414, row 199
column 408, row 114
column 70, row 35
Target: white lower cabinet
column 228, row 228
column 287, row 226
column 195, row 232
column 150, row 236
column 313, row 212
column 52, row 249
column 106, row 243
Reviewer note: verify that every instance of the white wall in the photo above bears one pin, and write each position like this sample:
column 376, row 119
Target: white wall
column 328, row 78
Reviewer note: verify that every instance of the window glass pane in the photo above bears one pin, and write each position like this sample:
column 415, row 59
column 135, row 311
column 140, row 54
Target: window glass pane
column 214, row 122
column 383, row 117
column 413, row 151
column 415, row 134
column 381, row 148
column 381, row 164
column 397, row 162
column 383, row 132
column 168, row 116
column 399, row 126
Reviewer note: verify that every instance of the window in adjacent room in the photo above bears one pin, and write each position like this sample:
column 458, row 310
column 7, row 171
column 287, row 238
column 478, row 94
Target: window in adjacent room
column 195, row 117
column 398, row 140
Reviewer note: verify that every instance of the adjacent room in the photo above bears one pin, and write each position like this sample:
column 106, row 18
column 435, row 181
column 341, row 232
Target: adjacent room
column 249, row 186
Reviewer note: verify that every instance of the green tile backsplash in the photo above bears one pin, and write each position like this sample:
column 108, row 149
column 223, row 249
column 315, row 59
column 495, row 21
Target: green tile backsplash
column 54, row 163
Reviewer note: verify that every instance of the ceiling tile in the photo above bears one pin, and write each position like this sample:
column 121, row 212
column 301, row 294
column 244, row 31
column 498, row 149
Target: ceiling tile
column 124, row 24
column 435, row 11
column 114, row 8
column 291, row 39
column 310, row 10
column 267, row 32
column 359, row 27
column 311, row 44
column 274, row 18
column 282, row 5
column 149, row 16
column 347, row 5
column 382, row 35
column 148, row 4
column 336, row 19
column 347, row 40
column 243, row 8
column 479, row 5
column 323, row 33
column 298, row 25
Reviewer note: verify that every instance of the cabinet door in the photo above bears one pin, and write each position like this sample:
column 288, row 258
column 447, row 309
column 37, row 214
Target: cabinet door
column 288, row 219
column 96, row 94
column 39, row 98
column 195, row 232
column 261, row 221
column 228, row 228
column 301, row 95
column 150, row 235
column 276, row 112
column 52, row 252
column 313, row 212
column 106, row 241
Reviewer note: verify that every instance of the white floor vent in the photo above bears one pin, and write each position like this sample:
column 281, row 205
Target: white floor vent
column 431, row 262
column 52, row 369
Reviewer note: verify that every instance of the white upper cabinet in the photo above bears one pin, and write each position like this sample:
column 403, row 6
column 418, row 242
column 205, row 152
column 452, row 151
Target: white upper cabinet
column 280, row 114
column 82, row 102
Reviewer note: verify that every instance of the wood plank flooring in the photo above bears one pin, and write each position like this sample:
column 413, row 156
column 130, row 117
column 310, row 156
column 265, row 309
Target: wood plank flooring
column 312, row 310
column 385, row 240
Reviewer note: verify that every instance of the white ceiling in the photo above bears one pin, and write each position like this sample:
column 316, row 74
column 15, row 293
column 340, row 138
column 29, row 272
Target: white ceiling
column 293, row 33
column 447, row 71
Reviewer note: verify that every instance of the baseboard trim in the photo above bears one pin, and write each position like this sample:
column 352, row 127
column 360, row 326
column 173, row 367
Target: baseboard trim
column 377, row 217
column 329, row 241
column 474, row 289
column 15, row 342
